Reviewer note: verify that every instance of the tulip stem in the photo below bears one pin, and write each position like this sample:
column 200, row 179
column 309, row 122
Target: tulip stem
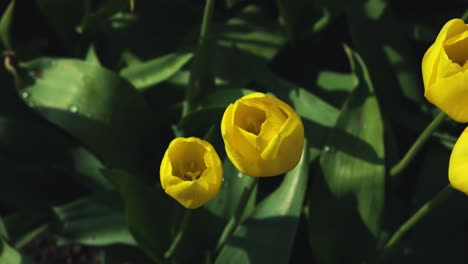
column 417, row 145
column 198, row 63
column 235, row 220
column 180, row 234
column 441, row 196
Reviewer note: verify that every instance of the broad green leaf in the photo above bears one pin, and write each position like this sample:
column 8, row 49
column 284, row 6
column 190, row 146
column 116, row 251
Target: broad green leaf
column 95, row 220
column 9, row 255
column 5, row 26
column 146, row 74
column 267, row 235
column 92, row 104
column 151, row 215
column 353, row 186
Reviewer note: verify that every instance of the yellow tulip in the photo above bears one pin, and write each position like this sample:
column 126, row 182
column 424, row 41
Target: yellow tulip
column 191, row 171
column 263, row 136
column 458, row 165
column 445, row 70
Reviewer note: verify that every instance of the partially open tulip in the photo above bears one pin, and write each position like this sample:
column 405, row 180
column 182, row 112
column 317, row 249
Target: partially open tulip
column 263, row 136
column 191, row 171
column 458, row 166
column 445, row 70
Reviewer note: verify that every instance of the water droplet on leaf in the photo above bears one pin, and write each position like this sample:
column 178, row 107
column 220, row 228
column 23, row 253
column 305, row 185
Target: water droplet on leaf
column 73, row 109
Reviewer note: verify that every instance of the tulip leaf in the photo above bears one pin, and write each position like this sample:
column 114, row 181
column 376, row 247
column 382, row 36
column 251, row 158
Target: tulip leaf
column 234, row 184
column 353, row 180
column 3, row 230
column 95, row 220
column 91, row 55
column 9, row 255
column 149, row 212
column 146, row 74
column 268, row 234
column 92, row 104
column 251, row 33
column 5, row 25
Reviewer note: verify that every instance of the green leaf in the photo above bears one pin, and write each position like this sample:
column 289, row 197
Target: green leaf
column 302, row 17
column 3, row 230
column 9, row 255
column 26, row 224
column 151, row 215
column 95, row 220
column 92, row 20
column 91, row 56
column 234, row 184
column 268, row 234
column 146, row 74
column 353, row 184
column 251, row 32
column 92, row 104
column 336, row 81
column 5, row 25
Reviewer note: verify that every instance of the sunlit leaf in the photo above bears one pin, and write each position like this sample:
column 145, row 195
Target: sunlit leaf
column 92, row 104
column 267, row 235
column 5, row 25
column 146, row 74
column 353, row 185
column 9, row 255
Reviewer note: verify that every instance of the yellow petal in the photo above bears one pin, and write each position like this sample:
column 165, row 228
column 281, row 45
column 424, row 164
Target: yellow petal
column 458, row 166
column 451, row 96
column 191, row 171
column 281, row 132
column 435, row 53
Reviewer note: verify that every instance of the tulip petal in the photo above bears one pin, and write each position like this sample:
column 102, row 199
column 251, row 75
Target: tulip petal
column 458, row 166
column 191, row 171
column 451, row 96
column 435, row 53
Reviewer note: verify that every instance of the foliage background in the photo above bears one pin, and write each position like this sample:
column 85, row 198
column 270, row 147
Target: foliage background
column 81, row 138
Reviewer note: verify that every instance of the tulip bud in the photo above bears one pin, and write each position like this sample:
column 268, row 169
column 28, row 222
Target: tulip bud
column 263, row 136
column 458, row 165
column 445, row 70
column 191, row 171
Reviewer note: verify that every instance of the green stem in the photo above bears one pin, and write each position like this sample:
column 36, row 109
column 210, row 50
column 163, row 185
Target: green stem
column 194, row 83
column 180, row 234
column 441, row 196
column 207, row 15
column 418, row 144
column 235, row 220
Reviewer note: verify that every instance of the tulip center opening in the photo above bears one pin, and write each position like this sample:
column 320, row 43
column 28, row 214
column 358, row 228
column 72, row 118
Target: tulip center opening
column 249, row 118
column 187, row 160
column 193, row 171
column 455, row 48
